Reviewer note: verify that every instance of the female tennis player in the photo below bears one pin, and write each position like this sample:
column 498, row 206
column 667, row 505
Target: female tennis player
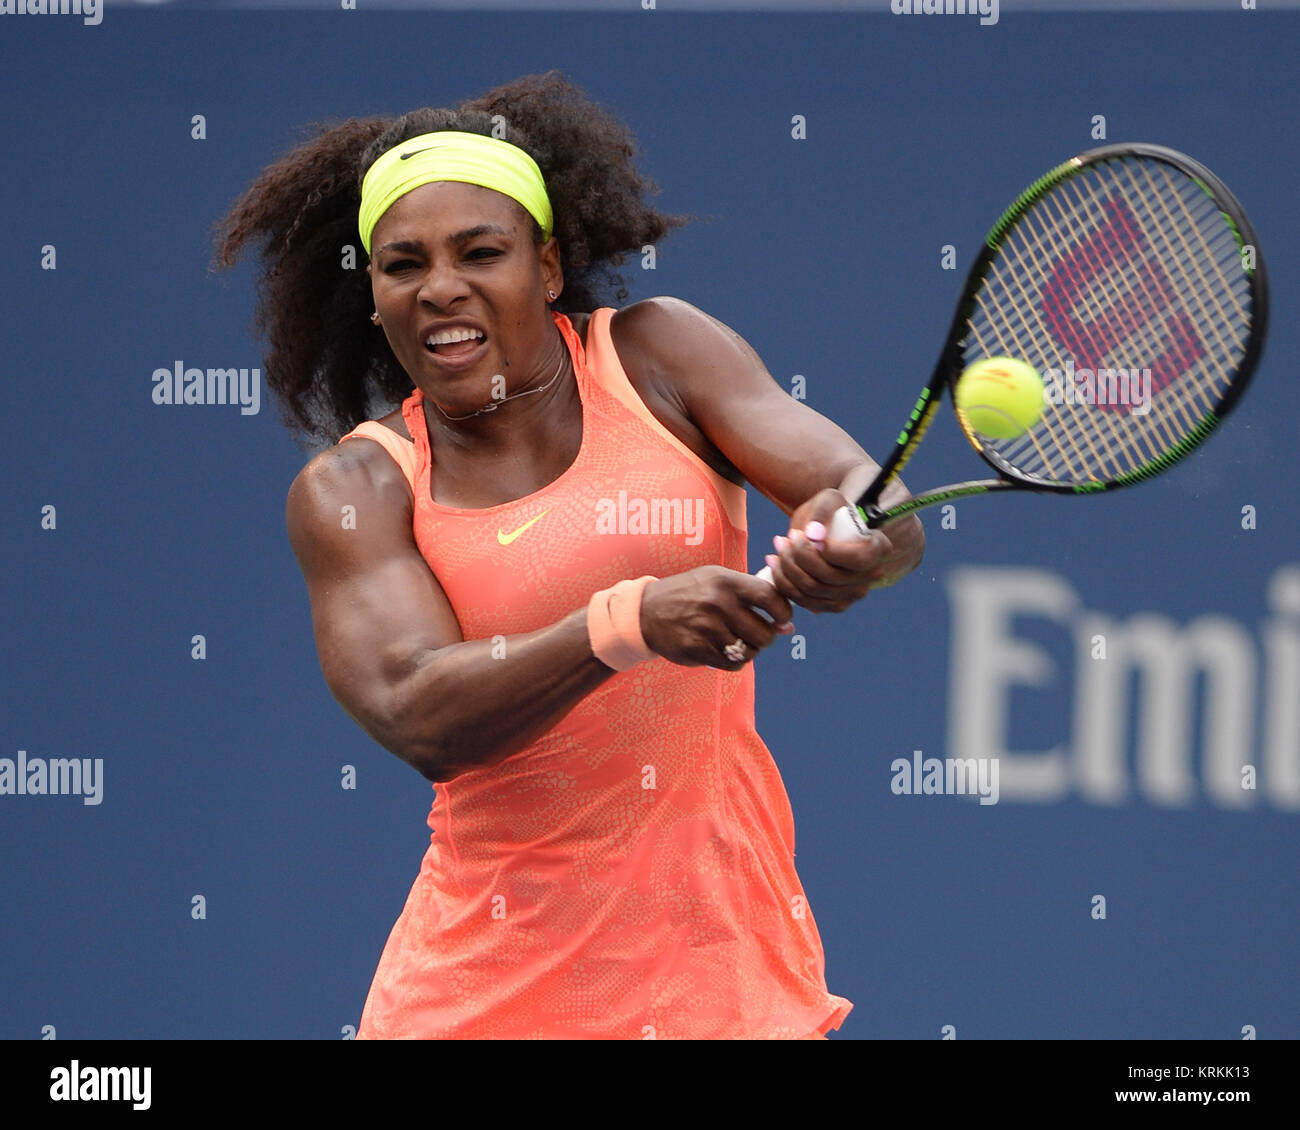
column 529, row 581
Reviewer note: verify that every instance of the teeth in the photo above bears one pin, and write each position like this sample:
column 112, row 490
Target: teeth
column 459, row 333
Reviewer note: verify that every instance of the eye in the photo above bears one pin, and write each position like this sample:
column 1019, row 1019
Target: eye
column 489, row 251
column 398, row 265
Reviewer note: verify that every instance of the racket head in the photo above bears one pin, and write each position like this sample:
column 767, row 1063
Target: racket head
column 1131, row 278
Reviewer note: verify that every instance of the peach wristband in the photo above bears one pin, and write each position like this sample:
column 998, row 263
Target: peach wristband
column 614, row 624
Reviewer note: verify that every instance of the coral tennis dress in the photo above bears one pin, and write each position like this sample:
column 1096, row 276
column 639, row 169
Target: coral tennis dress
column 629, row 875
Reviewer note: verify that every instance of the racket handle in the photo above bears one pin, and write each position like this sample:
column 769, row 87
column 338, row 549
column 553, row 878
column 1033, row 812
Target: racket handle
column 846, row 524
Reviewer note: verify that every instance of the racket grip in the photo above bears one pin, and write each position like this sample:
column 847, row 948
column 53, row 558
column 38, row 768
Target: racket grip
column 846, row 524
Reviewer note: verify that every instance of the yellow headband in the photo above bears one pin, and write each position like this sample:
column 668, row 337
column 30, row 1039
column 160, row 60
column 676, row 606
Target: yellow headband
column 472, row 158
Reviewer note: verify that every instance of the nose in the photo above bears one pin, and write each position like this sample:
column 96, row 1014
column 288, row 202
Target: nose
column 442, row 284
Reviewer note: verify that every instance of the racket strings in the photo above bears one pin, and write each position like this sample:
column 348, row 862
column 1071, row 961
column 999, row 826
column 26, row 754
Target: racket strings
column 1227, row 327
column 1045, row 233
column 1188, row 401
column 1099, row 286
column 1077, row 447
column 1192, row 400
column 1134, row 281
column 1117, row 279
column 1127, row 270
column 1083, row 448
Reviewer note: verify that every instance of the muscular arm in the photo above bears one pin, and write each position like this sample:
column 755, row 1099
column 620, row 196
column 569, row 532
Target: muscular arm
column 389, row 643
column 785, row 449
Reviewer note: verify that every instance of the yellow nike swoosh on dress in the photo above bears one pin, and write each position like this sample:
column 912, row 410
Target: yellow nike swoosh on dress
column 506, row 539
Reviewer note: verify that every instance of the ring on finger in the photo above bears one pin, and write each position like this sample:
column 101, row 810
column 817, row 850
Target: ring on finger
column 735, row 651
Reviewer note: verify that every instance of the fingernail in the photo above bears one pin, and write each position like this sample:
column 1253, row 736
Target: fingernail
column 771, row 560
column 779, row 542
column 797, row 537
column 786, row 628
column 815, row 531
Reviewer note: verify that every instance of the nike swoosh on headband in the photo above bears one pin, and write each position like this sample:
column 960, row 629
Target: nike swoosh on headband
column 413, row 152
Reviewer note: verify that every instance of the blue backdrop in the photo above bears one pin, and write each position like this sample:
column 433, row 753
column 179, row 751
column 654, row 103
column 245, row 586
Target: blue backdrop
column 221, row 776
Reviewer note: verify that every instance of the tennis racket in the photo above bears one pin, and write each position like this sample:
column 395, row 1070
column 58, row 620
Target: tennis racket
column 1126, row 259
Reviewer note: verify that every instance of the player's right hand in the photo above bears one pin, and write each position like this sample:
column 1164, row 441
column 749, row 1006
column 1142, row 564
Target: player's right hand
column 690, row 618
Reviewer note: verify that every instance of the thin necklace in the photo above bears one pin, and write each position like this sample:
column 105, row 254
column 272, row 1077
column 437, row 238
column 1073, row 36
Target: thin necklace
column 495, row 404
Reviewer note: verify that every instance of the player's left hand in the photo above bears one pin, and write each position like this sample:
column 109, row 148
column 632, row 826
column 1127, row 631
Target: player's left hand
column 828, row 576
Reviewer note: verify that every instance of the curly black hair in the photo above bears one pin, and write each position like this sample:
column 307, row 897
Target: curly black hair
column 325, row 362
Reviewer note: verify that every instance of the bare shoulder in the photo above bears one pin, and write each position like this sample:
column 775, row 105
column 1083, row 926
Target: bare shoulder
column 680, row 354
column 665, row 329
column 357, row 472
column 665, row 346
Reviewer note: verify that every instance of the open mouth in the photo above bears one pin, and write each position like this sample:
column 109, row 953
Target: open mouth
column 454, row 350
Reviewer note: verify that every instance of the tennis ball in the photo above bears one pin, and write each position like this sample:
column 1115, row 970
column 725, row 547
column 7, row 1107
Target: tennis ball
column 1000, row 397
